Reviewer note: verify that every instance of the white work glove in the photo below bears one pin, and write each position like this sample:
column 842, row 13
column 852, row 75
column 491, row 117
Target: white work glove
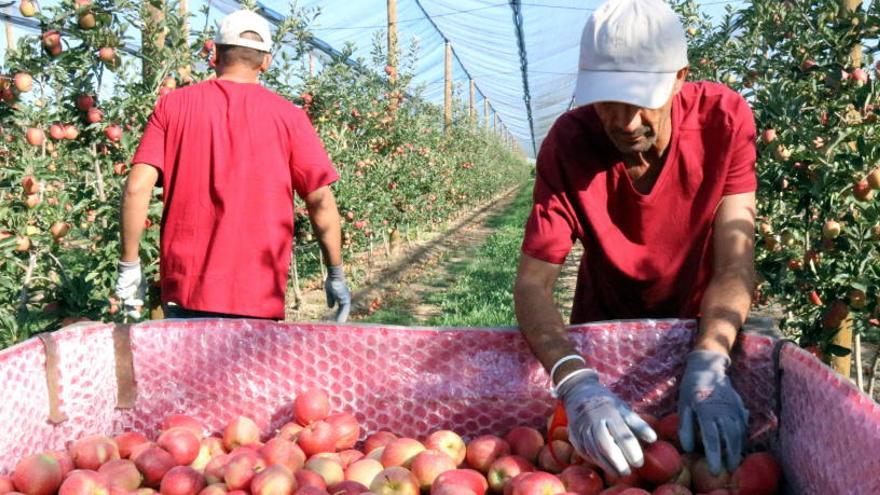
column 601, row 427
column 131, row 287
column 337, row 291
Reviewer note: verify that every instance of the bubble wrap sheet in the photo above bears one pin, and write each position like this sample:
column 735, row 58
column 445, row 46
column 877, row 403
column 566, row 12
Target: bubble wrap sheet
column 415, row 380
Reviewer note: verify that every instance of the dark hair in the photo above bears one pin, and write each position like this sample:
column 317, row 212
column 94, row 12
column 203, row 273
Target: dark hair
column 234, row 54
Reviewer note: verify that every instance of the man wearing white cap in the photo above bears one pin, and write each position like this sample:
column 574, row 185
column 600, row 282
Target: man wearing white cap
column 656, row 178
column 230, row 154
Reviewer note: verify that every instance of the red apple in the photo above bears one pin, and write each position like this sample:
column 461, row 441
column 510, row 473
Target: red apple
column 30, row 185
column 51, row 41
column 662, row 462
column 284, row 452
column 306, row 490
column 318, row 436
column 581, row 480
column 35, row 136
column 94, row 115
column 305, row 478
column 214, row 489
column 395, row 480
column 401, row 452
column 873, row 179
column 506, row 468
column 536, row 483
column 181, row 443
column 759, row 474
column 346, row 428
column 240, row 431
column 23, row 82
column 347, row 488
column 274, row 480
column 127, row 441
column 84, row 102
column 107, row 54
column 113, row 133
column 91, row 452
column 123, row 474
column 182, row 480
column 6, row 485
column 768, row 136
column 216, row 469
column 667, row 429
column 468, row 478
column 634, row 491
column 526, row 442
column 240, row 470
column 427, row 465
column 378, row 439
column 85, row 482
column 482, row 451
column 450, row 443
column 672, row 489
column 70, row 132
column 704, row 481
column 348, row 456
column 556, row 460
column 64, row 460
column 632, row 479
column 363, row 471
column 329, row 469
column 153, row 462
column 311, row 405
column 56, row 131
column 290, row 431
column 38, row 474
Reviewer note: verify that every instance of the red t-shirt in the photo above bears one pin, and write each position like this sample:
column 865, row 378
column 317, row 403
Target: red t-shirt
column 645, row 255
column 230, row 157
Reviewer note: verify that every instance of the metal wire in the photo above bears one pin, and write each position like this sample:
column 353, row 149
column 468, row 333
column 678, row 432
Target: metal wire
column 516, row 5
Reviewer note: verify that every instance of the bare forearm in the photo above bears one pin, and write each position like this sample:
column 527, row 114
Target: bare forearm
column 543, row 328
column 327, row 226
column 135, row 204
column 725, row 307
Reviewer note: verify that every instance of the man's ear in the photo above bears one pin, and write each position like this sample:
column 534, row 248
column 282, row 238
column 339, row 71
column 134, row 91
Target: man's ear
column 267, row 61
column 680, row 78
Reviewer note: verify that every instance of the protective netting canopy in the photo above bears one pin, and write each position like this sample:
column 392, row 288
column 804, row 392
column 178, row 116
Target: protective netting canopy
column 521, row 55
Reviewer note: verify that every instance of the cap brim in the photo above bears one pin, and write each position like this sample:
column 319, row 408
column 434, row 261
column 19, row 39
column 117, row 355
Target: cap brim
column 642, row 89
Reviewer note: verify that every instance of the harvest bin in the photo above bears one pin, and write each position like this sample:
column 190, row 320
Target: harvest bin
column 412, row 381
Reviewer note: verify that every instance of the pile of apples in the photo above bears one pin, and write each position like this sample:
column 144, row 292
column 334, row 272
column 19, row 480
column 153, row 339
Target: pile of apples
column 315, row 455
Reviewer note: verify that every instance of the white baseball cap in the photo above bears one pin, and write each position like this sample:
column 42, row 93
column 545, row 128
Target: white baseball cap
column 631, row 51
column 231, row 27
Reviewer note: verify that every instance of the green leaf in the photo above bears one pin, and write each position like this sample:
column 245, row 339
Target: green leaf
column 836, row 350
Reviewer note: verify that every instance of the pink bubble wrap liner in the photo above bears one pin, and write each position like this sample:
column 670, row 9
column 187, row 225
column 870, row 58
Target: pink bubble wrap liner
column 416, row 380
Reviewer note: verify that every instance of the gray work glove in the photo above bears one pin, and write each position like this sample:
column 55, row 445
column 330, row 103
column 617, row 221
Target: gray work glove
column 601, row 427
column 337, row 292
column 706, row 392
column 131, row 287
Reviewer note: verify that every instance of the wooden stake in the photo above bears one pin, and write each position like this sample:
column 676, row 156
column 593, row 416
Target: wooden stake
column 860, row 374
column 392, row 39
column 10, row 35
column 447, row 94
column 486, row 112
column 311, row 65
column 152, row 31
column 472, row 113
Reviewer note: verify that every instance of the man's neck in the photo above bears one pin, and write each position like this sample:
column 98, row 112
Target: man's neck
column 239, row 76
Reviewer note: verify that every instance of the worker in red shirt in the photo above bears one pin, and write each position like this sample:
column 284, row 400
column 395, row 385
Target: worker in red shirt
column 230, row 154
column 655, row 176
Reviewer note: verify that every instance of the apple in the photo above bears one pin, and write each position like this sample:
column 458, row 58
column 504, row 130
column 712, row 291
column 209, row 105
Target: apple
column 555, row 460
column 378, row 439
column 376, row 454
column 330, row 470
column 862, row 191
column 182, row 480
column 468, row 478
column 169, row 82
column 24, row 82
column 90, row 452
column 363, row 471
column 290, row 431
column 107, row 54
column 35, row 136
column 506, row 468
column 347, row 488
column 51, row 41
column 305, row 477
column 395, row 480
column 873, row 179
column 240, row 470
column 536, row 483
column 125, row 442
column 451, row 444
column 87, row 21
column 451, row 490
column 6, row 485
column 483, row 450
column 705, row 481
column 214, row 489
column 27, row 8
column 526, row 442
column 84, row 102
column 835, row 315
column 311, row 405
column 401, row 452
column 759, row 474
column 240, row 431
column 581, row 480
column 216, row 469
column 113, row 132
column 123, row 474
column 64, row 459
column 38, row 474
column 94, row 115
column 30, row 185
column 85, row 482
column 348, row 456
column 284, row 452
column 317, row 437
column 153, row 462
column 662, row 463
column 768, row 136
column 181, row 443
column 347, row 430
column 427, row 465
column 56, row 131
column 70, row 132
column 274, row 480
column 831, row 229
column 667, row 429
column 672, row 489
column 32, row 200
column 632, row 479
